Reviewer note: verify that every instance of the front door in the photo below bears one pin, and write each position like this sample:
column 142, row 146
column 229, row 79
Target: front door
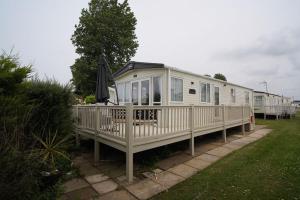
column 141, row 92
column 217, row 101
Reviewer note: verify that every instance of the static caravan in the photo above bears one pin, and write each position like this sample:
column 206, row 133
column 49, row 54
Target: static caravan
column 157, row 84
column 267, row 104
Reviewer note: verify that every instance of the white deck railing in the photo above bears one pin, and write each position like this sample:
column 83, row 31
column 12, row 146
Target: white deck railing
column 277, row 110
column 137, row 128
column 155, row 121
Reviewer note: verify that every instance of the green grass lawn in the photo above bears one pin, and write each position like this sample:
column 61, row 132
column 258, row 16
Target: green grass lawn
column 266, row 169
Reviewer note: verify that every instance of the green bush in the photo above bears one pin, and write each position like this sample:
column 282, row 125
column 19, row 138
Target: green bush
column 91, row 99
column 52, row 110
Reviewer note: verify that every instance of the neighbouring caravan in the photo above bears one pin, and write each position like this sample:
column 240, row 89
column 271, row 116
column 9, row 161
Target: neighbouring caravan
column 267, row 104
column 156, row 84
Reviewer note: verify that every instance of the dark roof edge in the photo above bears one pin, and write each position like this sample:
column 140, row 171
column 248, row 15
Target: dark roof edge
column 137, row 65
column 268, row 93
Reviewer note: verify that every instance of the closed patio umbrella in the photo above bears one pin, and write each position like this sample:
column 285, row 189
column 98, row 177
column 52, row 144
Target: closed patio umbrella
column 104, row 79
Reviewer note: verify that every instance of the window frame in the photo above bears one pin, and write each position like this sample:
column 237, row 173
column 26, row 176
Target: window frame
column 233, row 95
column 174, row 101
column 152, row 90
column 207, row 92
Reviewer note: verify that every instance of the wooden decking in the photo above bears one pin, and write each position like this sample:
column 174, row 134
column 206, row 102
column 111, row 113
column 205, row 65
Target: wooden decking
column 132, row 129
column 277, row 111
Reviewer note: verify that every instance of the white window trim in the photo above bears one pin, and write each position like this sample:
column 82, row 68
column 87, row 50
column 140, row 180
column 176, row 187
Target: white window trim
column 233, row 96
column 179, row 102
column 206, row 95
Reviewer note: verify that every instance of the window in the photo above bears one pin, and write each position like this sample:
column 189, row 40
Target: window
column 247, row 97
column 205, row 92
column 127, row 92
column 217, row 96
column 145, row 92
column 120, row 88
column 258, row 100
column 135, row 93
column 176, row 89
column 232, row 94
column 156, row 91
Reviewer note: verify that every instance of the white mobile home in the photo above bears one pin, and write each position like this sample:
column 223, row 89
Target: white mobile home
column 268, row 104
column 157, row 84
column 164, row 105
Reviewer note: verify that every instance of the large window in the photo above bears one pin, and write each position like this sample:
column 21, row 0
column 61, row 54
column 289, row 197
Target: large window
column 247, row 97
column 124, row 92
column 205, row 92
column 176, row 89
column 156, row 90
column 121, row 91
column 232, row 94
column 258, row 100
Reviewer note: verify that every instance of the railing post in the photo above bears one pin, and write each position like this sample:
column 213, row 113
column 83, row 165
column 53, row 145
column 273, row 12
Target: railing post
column 243, row 123
column 129, row 142
column 77, row 137
column 96, row 143
column 191, row 124
column 224, row 123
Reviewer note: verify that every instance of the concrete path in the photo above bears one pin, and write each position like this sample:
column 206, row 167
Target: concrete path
column 96, row 185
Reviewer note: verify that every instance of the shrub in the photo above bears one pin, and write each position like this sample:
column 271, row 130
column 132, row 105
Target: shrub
column 90, row 99
column 52, row 110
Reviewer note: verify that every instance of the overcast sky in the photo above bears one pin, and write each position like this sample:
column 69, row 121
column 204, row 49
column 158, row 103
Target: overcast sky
column 249, row 41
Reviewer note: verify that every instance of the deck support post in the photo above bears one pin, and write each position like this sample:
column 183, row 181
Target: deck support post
column 96, row 151
column 77, row 138
column 192, row 141
column 129, row 142
column 96, row 143
column 243, row 123
column 224, row 124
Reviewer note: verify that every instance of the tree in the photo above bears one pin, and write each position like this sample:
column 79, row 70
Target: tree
column 106, row 26
column 220, row 77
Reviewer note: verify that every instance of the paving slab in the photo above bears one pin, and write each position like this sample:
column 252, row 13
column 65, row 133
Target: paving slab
column 203, row 147
column 122, row 180
column 167, row 179
column 74, row 184
column 220, row 151
column 117, row 195
column 183, row 170
column 96, row 178
column 255, row 135
column 173, row 161
column 264, row 131
column 87, row 169
column 208, row 158
column 197, row 163
column 105, row 186
column 239, row 143
column 232, row 146
column 82, row 194
column 144, row 189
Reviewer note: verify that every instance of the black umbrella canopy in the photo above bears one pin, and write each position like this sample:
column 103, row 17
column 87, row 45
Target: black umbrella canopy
column 104, row 78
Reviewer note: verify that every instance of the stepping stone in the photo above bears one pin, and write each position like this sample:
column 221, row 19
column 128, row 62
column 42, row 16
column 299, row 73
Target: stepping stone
column 105, row 186
column 249, row 138
column 183, row 170
column 122, row 180
column 82, row 194
column 74, row 184
column 197, row 163
column 87, row 169
column 263, row 131
column 255, row 135
column 208, row 158
column 220, row 151
column 202, row 148
column 167, row 179
column 117, row 195
column 239, row 143
column 232, row 146
column 96, row 178
column 144, row 189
